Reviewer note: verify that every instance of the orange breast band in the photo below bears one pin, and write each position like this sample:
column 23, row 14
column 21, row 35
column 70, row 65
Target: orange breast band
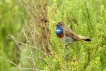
column 61, row 36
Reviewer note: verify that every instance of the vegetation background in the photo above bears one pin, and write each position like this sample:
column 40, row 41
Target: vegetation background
column 18, row 51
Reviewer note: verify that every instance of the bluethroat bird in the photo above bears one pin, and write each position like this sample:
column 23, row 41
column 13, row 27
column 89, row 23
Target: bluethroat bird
column 67, row 35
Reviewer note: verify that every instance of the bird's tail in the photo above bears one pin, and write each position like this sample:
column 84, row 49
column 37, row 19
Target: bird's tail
column 84, row 38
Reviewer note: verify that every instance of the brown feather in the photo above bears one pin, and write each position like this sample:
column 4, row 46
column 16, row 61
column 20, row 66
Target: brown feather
column 72, row 34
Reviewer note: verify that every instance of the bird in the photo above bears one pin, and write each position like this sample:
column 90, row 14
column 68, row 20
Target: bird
column 67, row 35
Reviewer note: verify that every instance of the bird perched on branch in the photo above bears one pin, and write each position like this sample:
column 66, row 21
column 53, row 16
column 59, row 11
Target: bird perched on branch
column 67, row 35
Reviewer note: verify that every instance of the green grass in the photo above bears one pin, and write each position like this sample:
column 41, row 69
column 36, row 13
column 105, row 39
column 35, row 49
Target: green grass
column 87, row 18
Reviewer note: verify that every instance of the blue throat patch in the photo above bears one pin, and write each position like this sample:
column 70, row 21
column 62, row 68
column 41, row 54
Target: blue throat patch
column 59, row 30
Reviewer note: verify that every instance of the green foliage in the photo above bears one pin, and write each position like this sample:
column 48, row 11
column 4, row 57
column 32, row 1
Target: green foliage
column 10, row 23
column 86, row 18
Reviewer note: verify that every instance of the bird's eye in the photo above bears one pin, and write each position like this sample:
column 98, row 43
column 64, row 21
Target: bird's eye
column 60, row 24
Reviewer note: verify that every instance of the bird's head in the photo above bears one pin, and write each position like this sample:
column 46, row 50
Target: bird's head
column 60, row 24
column 59, row 28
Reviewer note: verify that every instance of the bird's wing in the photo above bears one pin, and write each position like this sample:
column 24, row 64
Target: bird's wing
column 72, row 34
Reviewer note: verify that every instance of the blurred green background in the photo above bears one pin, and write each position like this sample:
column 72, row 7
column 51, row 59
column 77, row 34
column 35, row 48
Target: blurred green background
column 85, row 17
column 11, row 23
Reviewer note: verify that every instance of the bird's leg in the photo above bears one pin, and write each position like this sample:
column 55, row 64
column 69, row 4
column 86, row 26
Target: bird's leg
column 67, row 55
column 66, row 46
